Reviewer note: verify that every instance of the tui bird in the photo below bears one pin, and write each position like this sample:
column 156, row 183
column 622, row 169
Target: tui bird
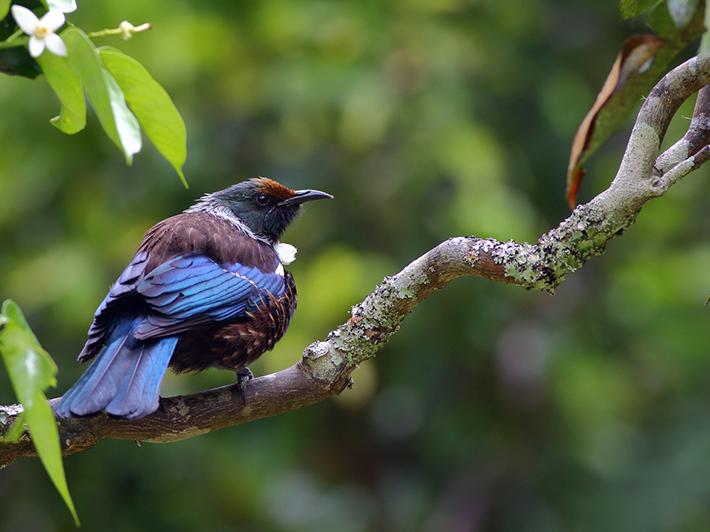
column 206, row 288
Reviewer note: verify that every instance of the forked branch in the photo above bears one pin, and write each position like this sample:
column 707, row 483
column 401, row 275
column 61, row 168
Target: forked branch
column 326, row 366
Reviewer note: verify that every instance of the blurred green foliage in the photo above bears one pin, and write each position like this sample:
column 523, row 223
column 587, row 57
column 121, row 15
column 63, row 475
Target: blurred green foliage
column 493, row 408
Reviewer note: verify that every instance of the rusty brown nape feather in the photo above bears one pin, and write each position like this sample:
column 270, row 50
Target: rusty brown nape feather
column 274, row 189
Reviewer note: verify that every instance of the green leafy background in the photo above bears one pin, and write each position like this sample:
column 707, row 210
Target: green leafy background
column 493, row 408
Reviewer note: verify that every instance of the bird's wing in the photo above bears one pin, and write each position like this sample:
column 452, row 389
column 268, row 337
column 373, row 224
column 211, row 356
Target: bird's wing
column 183, row 235
column 185, row 292
column 124, row 286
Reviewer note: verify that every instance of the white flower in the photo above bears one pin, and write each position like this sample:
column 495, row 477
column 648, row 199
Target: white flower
column 41, row 31
column 65, row 6
column 128, row 30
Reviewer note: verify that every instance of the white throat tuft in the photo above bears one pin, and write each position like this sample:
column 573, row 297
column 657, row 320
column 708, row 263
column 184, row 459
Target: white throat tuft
column 286, row 252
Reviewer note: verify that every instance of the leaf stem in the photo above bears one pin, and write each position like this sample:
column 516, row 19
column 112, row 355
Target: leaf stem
column 12, row 41
column 13, row 44
column 14, row 36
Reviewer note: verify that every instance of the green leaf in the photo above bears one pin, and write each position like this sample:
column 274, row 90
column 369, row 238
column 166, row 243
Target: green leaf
column 152, row 105
column 4, row 8
column 15, row 431
column 682, row 11
column 11, row 312
column 705, row 41
column 636, row 55
column 67, row 86
column 126, row 123
column 634, row 8
column 104, row 94
column 627, row 98
column 663, row 24
column 31, row 371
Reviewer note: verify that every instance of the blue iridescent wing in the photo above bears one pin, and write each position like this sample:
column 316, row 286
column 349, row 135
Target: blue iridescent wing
column 185, row 292
column 103, row 323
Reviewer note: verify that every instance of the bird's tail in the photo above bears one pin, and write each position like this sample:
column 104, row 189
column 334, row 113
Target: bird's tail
column 124, row 379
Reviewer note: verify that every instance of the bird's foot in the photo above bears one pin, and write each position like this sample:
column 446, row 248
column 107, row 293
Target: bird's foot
column 244, row 375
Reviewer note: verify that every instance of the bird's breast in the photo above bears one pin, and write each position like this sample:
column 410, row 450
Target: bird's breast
column 236, row 344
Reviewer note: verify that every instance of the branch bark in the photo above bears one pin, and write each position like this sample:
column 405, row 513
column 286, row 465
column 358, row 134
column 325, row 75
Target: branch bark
column 697, row 137
column 326, row 366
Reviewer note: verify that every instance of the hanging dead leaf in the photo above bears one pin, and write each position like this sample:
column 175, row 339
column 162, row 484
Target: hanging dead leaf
column 635, row 58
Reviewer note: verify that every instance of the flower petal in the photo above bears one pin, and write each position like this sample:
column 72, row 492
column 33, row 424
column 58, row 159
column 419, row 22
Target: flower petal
column 26, row 20
column 65, row 6
column 55, row 44
column 53, row 20
column 36, row 46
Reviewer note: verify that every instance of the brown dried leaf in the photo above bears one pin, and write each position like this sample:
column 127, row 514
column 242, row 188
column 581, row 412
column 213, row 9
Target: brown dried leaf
column 634, row 59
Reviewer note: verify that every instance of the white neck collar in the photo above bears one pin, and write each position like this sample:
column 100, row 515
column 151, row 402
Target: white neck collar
column 286, row 252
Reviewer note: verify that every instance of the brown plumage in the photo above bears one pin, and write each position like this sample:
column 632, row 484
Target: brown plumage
column 273, row 188
column 241, row 342
column 201, row 233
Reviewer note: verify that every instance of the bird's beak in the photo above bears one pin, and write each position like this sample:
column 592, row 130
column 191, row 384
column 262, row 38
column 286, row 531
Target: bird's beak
column 302, row 196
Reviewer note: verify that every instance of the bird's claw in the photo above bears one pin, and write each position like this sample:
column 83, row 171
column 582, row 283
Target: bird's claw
column 244, row 375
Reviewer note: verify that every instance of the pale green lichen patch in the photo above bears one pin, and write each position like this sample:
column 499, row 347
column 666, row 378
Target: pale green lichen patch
column 631, row 187
column 564, row 249
column 323, row 361
column 519, row 261
column 373, row 321
column 371, row 324
column 406, row 283
column 680, row 151
column 488, row 246
column 678, row 171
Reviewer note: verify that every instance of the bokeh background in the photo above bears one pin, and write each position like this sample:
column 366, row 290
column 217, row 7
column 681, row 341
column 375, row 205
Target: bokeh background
column 494, row 408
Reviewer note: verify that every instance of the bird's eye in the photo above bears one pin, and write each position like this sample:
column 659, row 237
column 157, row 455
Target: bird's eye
column 262, row 199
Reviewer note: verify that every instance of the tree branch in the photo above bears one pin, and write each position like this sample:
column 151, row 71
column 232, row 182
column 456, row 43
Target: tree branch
column 697, row 137
column 326, row 366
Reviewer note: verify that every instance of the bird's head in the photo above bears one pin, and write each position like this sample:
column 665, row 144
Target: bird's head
column 263, row 205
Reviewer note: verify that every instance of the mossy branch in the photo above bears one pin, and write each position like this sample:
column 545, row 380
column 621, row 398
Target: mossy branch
column 326, row 366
